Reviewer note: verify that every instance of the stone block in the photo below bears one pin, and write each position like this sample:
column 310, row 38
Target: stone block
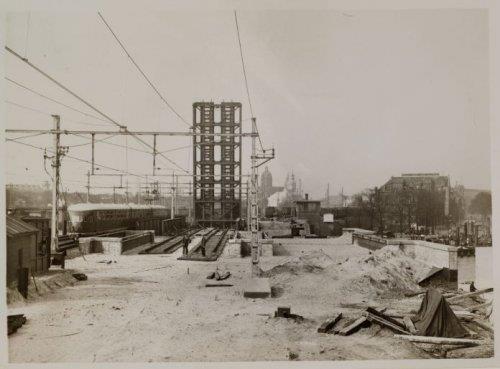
column 257, row 288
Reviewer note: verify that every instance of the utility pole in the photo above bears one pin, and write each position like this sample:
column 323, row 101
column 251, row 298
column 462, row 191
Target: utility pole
column 176, row 194
column 254, row 222
column 189, row 203
column 172, row 209
column 88, row 186
column 254, row 211
column 249, row 215
column 56, row 165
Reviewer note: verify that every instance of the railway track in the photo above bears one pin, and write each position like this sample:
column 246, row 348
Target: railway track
column 215, row 242
column 170, row 244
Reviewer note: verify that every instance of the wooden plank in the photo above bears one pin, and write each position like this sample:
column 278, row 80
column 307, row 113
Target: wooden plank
column 439, row 340
column 483, row 326
column 409, row 325
column 218, row 285
column 376, row 319
column 353, row 327
column 470, row 294
column 329, row 324
column 357, row 324
column 480, row 306
column 384, row 317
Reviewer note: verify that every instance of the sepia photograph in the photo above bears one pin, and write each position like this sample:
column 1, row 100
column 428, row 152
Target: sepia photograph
column 248, row 184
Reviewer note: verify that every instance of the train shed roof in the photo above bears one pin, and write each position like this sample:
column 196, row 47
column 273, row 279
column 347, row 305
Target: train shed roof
column 89, row 206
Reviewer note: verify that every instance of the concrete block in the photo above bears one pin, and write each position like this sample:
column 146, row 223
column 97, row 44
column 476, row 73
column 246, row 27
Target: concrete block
column 233, row 249
column 257, row 288
column 266, row 248
column 111, row 246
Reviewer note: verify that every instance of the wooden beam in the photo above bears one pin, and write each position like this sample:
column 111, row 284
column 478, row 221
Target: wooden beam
column 409, row 325
column 480, row 306
column 327, row 326
column 483, row 326
column 470, row 294
column 381, row 321
column 439, row 340
column 357, row 324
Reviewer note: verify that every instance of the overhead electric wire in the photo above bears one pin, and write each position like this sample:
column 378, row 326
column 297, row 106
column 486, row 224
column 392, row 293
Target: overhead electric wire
column 176, row 148
column 23, row 137
column 122, row 127
column 81, row 160
column 246, row 79
column 50, row 114
column 141, row 71
column 54, row 100
column 90, row 143
column 243, row 63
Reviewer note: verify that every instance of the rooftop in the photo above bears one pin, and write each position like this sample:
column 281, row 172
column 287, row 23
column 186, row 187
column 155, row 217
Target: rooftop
column 16, row 227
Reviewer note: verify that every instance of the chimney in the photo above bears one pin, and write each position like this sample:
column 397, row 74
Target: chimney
column 307, row 196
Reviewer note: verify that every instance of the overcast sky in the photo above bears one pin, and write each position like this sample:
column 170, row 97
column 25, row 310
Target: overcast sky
column 349, row 98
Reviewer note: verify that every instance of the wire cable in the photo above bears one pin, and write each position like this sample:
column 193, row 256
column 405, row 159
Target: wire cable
column 245, row 77
column 23, row 137
column 141, row 71
column 112, row 121
column 50, row 114
column 53, row 100
column 81, row 160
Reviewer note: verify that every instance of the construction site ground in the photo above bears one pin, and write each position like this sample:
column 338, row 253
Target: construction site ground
column 155, row 308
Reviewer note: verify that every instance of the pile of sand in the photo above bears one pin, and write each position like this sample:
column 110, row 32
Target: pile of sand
column 41, row 285
column 387, row 272
column 384, row 273
column 310, row 262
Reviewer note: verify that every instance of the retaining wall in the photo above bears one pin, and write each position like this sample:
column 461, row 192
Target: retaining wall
column 430, row 253
column 116, row 245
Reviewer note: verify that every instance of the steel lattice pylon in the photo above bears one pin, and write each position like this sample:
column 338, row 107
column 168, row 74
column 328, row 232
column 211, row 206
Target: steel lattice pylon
column 216, row 164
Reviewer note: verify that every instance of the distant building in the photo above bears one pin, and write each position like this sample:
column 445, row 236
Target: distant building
column 416, row 199
column 426, row 181
column 267, row 189
column 310, row 211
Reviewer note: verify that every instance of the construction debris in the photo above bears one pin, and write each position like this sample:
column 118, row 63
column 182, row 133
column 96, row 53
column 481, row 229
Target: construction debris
column 284, row 312
column 14, row 322
column 480, row 306
column 483, row 326
column 327, row 326
column 219, row 285
column 80, row 276
column 218, row 275
column 409, row 325
column 357, row 324
column 436, row 318
column 353, row 327
column 374, row 316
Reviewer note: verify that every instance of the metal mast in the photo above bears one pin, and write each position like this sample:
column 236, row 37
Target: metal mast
column 254, row 220
column 56, row 165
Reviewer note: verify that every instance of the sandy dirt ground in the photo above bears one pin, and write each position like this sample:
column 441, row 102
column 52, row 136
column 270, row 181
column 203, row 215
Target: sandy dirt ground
column 154, row 308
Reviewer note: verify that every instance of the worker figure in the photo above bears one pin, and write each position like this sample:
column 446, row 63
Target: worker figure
column 185, row 244
column 202, row 247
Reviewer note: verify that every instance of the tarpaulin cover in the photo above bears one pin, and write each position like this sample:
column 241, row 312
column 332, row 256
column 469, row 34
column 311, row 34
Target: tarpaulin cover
column 436, row 318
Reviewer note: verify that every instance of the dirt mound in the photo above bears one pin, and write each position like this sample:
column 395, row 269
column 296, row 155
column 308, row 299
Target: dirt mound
column 313, row 262
column 388, row 272
column 40, row 286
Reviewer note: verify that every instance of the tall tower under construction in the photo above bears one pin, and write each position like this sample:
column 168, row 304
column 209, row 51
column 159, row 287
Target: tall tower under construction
column 217, row 163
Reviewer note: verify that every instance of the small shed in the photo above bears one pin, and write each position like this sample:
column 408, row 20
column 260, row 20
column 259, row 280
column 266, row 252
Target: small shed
column 21, row 248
